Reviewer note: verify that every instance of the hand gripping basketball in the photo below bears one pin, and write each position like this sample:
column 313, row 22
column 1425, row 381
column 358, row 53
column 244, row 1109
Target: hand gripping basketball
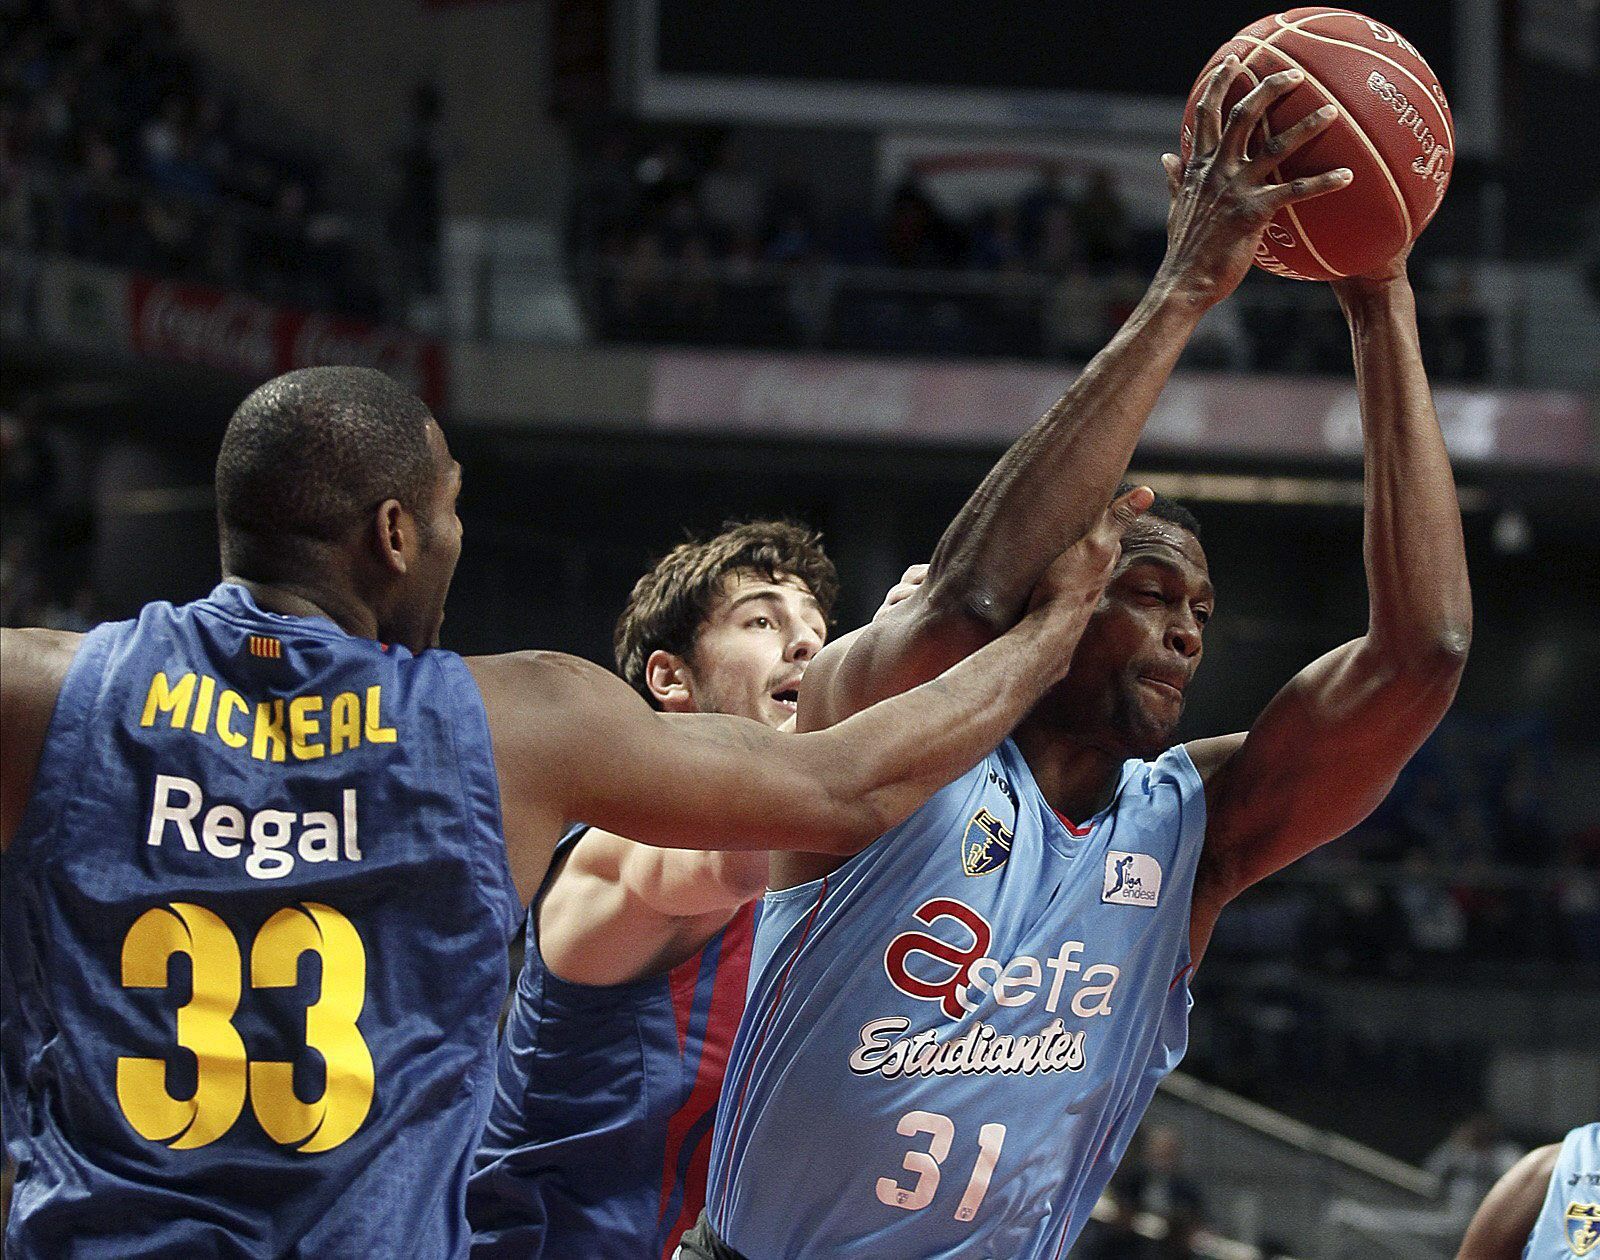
column 1223, row 199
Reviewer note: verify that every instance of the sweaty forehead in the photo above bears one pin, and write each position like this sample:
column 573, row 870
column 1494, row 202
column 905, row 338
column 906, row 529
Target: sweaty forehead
column 1155, row 537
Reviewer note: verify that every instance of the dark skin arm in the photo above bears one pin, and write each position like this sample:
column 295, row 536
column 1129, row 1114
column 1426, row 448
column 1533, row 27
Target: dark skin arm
column 572, row 741
column 1051, row 486
column 33, row 665
column 1500, row 1229
column 1328, row 747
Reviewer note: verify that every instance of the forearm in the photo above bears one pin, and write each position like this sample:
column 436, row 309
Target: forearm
column 680, row 883
column 1419, row 598
column 1054, row 482
column 885, row 761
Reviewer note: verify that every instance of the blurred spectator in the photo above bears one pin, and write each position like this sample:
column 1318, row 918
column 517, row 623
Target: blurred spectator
column 1470, row 1161
column 1467, row 1163
column 1116, row 1238
column 731, row 197
column 915, row 234
column 46, row 529
column 1102, row 222
column 1157, row 1183
column 113, row 149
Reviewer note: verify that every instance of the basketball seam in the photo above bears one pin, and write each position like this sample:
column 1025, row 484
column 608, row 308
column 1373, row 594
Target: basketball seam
column 1299, row 228
column 1300, row 231
column 1399, row 197
column 1427, row 92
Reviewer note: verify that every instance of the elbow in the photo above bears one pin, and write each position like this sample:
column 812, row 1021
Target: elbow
column 1451, row 645
column 1434, row 658
column 1444, row 650
column 968, row 607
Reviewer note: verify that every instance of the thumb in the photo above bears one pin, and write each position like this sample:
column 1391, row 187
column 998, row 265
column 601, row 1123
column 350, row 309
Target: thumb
column 1173, row 166
column 1130, row 507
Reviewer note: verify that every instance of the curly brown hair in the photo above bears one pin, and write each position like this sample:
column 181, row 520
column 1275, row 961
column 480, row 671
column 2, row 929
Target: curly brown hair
column 670, row 604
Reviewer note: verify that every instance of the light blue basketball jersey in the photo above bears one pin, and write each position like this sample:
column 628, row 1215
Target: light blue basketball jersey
column 1569, row 1221
column 950, row 1040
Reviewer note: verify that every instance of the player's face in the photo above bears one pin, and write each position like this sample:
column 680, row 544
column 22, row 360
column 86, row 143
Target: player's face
column 1125, row 689
column 754, row 648
column 439, row 545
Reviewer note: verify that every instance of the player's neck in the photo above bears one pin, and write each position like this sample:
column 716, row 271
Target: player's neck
column 1077, row 779
column 343, row 608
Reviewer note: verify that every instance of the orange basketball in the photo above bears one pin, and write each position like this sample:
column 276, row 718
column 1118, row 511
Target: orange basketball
column 1394, row 132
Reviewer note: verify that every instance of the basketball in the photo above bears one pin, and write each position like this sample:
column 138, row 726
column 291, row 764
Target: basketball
column 1394, row 132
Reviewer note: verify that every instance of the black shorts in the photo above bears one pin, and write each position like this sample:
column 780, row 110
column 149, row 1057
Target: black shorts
column 701, row 1244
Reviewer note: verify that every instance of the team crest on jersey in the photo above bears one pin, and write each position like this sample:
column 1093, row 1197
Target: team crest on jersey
column 986, row 844
column 1583, row 1227
column 1132, row 879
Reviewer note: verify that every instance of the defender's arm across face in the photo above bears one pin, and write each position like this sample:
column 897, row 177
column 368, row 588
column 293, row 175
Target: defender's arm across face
column 572, row 741
column 33, row 665
column 1049, row 488
column 1509, row 1212
column 1328, row 747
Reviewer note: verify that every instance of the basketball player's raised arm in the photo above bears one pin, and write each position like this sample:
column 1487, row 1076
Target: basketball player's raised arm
column 1507, row 1215
column 33, row 665
column 1051, row 486
column 573, row 741
column 1328, row 747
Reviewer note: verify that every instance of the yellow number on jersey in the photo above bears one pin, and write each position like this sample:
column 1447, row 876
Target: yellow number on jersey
column 330, row 1029
column 205, row 1027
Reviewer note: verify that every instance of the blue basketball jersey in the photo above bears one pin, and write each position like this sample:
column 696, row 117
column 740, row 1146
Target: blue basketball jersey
column 951, row 1039
column 255, row 925
column 1569, row 1221
column 600, row 1135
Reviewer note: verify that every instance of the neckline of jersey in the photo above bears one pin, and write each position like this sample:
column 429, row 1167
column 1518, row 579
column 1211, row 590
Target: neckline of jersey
column 233, row 600
column 1074, row 831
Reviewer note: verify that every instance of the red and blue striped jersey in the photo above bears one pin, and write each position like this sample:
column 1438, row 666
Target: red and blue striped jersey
column 599, row 1137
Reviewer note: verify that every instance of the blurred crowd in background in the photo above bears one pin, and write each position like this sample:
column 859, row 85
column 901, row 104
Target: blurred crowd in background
column 676, row 236
column 118, row 147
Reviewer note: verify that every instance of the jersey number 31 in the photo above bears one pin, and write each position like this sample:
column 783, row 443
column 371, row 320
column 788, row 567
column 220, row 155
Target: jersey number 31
column 926, row 1164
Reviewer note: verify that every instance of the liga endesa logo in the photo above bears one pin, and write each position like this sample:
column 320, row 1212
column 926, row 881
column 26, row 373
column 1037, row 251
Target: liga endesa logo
column 961, row 977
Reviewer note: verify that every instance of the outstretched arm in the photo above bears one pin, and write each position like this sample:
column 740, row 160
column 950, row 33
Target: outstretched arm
column 1328, row 747
column 1509, row 1212
column 572, row 741
column 619, row 911
column 1052, row 485
column 33, row 665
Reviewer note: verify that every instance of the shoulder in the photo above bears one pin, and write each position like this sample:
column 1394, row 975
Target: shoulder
column 595, row 854
column 33, row 666
column 541, row 687
column 511, row 672
column 1523, row 1188
column 36, row 662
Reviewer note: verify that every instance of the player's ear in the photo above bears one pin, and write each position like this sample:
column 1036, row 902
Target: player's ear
column 670, row 682
column 391, row 526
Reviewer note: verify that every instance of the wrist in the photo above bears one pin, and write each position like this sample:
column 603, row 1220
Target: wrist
column 1360, row 295
column 1176, row 301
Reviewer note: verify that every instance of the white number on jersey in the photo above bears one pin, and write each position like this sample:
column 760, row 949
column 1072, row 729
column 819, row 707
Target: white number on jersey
column 926, row 1164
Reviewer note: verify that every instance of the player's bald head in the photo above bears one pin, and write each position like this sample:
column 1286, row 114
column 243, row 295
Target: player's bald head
column 308, row 456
